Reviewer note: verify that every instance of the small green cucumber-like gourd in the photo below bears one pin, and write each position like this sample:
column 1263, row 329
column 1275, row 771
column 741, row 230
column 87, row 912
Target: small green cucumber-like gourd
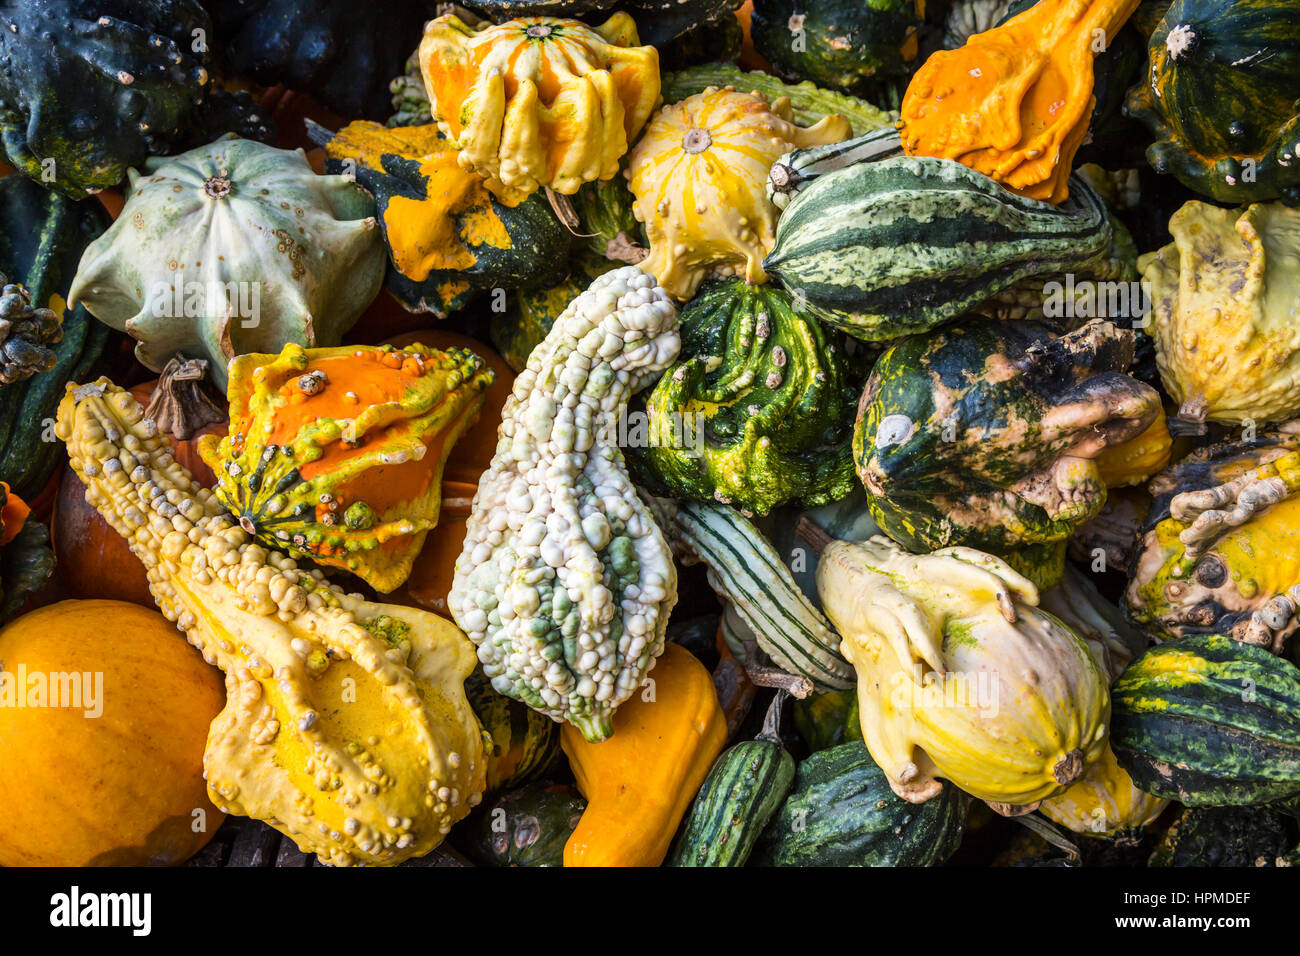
column 42, row 237
column 527, row 825
column 1219, row 96
column 746, row 570
column 1209, row 721
column 565, row 583
column 1219, row 551
column 448, row 235
column 130, row 71
column 746, row 785
column 960, row 675
column 337, row 454
column 1223, row 301
column 986, row 435
column 847, row 45
column 346, row 725
column 843, row 812
column 757, row 411
column 231, row 248
column 887, row 247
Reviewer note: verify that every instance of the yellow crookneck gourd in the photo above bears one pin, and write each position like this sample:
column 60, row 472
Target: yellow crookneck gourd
column 1014, row 103
column 1224, row 300
column 539, row 101
column 640, row 782
column 960, row 675
column 346, row 724
column 699, row 175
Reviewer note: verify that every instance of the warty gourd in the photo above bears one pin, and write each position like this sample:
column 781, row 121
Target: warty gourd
column 565, row 583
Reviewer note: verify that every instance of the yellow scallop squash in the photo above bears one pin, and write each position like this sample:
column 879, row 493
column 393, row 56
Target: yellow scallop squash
column 539, row 101
column 1226, row 312
column 1015, row 101
column 699, row 176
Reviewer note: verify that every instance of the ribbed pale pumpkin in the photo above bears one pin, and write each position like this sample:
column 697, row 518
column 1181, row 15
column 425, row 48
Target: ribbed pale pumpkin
column 1223, row 310
column 1015, row 101
column 539, row 101
column 699, row 175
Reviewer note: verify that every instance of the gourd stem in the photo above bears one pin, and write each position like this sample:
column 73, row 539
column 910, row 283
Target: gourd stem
column 793, row 684
column 179, row 405
column 812, row 534
column 772, row 719
column 1040, row 827
column 562, row 206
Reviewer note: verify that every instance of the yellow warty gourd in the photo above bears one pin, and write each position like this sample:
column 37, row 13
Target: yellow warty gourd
column 539, row 101
column 960, row 675
column 346, row 725
column 1226, row 312
column 699, row 175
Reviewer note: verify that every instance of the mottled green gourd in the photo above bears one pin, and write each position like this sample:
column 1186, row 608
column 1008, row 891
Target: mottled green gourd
column 985, row 435
column 231, row 248
column 337, row 454
column 758, row 412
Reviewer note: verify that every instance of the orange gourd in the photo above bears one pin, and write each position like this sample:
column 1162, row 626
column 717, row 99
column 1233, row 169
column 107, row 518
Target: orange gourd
column 125, row 788
column 640, row 782
column 1015, row 101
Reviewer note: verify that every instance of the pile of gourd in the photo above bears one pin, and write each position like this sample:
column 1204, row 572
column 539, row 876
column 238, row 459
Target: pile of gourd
column 683, row 433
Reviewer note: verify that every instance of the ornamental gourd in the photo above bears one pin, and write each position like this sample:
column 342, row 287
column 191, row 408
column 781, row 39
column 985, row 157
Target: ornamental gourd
column 538, row 101
column 337, row 454
column 1220, row 549
column 1223, row 301
column 699, row 175
column 960, row 675
column 448, row 235
column 26, row 560
column 1015, row 101
column 757, row 413
column 376, row 780
column 1220, row 98
column 565, row 583
column 1004, row 459
column 231, row 248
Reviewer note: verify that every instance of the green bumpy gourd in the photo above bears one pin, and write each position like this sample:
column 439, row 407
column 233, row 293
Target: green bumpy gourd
column 337, row 454
column 985, row 435
column 758, row 413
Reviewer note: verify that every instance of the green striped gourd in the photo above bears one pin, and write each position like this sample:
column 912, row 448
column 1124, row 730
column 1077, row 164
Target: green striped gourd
column 799, row 167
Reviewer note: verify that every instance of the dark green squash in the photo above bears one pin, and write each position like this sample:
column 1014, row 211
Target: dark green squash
column 1220, row 96
column 42, row 237
column 1226, row 837
column 982, row 435
column 745, row 786
column 526, row 827
column 710, row 41
column 828, row 720
column 1209, row 721
column 118, row 85
column 756, row 411
column 847, row 45
column 26, row 563
column 524, row 742
column 842, row 812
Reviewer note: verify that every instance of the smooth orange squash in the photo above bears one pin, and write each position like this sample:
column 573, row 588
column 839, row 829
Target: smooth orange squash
column 640, row 782
column 122, row 789
column 1015, row 101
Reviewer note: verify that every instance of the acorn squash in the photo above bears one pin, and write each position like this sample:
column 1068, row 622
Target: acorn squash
column 1220, row 98
column 1003, row 461
column 538, row 101
column 699, row 175
column 232, row 248
column 757, row 411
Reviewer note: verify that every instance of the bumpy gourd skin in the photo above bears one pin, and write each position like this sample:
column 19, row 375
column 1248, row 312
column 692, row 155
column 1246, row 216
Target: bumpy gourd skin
column 538, row 101
column 699, row 175
column 1015, row 101
column 26, row 334
column 116, row 86
column 233, row 218
column 1220, row 551
column 337, row 454
column 758, row 413
column 960, row 675
column 346, row 724
column 565, row 582
column 986, row 435
column 1223, row 310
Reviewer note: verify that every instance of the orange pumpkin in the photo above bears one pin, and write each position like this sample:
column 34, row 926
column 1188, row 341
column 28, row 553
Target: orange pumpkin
column 124, row 788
